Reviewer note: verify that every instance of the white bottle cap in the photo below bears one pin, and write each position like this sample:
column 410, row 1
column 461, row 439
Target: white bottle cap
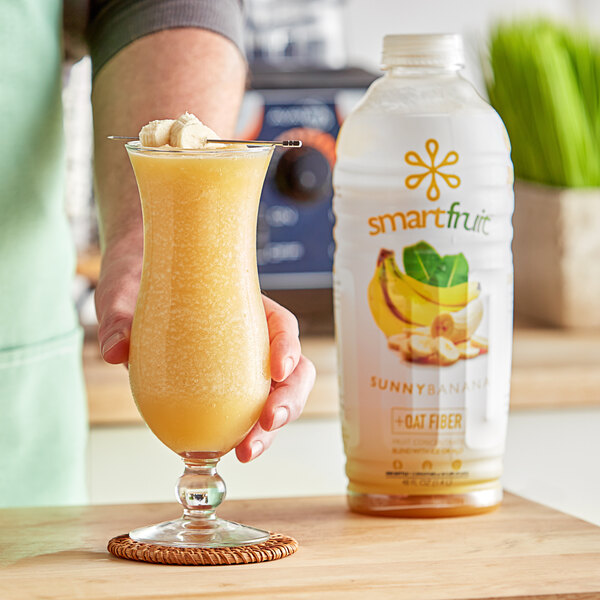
column 426, row 50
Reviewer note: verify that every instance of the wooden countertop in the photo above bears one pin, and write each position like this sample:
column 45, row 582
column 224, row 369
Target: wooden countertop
column 522, row 551
column 551, row 369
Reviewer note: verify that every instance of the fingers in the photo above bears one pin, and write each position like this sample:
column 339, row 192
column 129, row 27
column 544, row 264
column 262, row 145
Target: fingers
column 284, row 404
column 114, row 345
column 293, row 377
column 254, row 444
column 284, row 340
column 116, row 296
column 287, row 399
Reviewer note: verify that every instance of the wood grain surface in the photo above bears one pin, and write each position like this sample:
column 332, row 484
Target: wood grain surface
column 551, row 369
column 521, row 551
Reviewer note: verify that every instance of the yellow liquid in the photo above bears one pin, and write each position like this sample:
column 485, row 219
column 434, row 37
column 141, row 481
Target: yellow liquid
column 199, row 354
column 371, row 495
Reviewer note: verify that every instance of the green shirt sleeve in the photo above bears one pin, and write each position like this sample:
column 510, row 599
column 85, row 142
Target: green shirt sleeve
column 113, row 24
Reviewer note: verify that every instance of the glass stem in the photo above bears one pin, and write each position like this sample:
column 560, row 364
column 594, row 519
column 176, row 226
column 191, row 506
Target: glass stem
column 200, row 490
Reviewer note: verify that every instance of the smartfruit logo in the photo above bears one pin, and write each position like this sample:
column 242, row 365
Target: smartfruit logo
column 449, row 217
column 431, row 168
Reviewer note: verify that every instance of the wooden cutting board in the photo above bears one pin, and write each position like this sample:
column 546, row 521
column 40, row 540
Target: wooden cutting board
column 523, row 551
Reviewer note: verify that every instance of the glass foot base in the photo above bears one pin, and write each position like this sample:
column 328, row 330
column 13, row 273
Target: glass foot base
column 440, row 505
column 193, row 533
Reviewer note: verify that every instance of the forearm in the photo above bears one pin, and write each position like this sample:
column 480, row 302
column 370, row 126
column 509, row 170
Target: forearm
column 158, row 76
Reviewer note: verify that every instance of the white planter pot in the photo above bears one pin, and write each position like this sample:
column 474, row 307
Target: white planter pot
column 557, row 255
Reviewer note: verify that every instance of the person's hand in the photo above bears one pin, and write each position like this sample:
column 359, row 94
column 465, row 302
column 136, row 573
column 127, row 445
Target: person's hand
column 116, row 295
column 293, row 375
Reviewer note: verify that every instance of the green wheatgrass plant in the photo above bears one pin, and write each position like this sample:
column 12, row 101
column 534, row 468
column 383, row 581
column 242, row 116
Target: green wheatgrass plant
column 544, row 81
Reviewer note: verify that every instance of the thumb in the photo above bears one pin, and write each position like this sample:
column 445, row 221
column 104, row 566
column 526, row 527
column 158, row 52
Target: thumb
column 116, row 295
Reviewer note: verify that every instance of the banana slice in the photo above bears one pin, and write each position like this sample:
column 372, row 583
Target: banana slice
column 178, row 125
column 397, row 342
column 420, row 346
column 190, row 133
column 426, row 331
column 458, row 326
column 479, row 342
column 403, row 349
column 446, row 351
column 156, row 133
column 467, row 350
column 186, row 118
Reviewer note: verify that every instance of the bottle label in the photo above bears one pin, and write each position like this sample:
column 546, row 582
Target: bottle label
column 423, row 299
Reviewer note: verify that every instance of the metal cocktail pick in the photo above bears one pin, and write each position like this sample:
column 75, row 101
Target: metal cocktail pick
column 286, row 143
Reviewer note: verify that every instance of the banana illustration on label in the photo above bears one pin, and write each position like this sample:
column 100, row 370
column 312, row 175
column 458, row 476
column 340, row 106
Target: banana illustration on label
column 457, row 295
column 446, row 351
column 461, row 325
column 420, row 346
column 422, row 322
column 468, row 349
column 399, row 302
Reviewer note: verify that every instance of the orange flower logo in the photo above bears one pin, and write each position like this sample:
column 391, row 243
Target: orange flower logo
column 414, row 181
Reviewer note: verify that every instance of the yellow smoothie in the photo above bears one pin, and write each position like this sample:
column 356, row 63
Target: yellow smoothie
column 199, row 354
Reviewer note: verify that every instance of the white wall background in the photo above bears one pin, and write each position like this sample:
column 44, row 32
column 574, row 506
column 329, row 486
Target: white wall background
column 368, row 21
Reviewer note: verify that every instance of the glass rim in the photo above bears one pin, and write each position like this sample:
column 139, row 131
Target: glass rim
column 136, row 146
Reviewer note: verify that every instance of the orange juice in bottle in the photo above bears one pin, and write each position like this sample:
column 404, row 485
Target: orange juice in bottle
column 423, row 287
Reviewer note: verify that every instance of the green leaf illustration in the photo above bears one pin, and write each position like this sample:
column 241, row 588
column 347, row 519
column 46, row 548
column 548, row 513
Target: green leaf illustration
column 423, row 263
column 452, row 270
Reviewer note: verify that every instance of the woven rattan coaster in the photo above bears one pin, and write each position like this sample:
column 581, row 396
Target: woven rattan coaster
column 277, row 546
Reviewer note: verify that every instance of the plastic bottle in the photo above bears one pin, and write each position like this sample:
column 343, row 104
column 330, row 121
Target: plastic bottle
column 423, row 287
